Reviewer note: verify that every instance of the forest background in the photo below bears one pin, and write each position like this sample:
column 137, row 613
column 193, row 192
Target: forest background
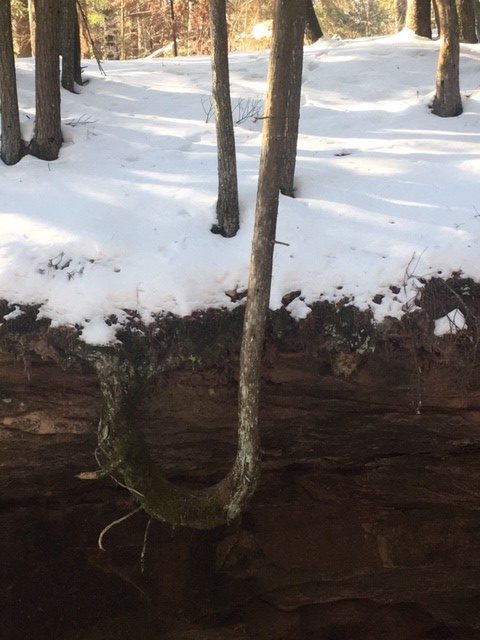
column 122, row 29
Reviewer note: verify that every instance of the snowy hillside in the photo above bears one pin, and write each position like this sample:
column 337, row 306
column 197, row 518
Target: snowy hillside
column 386, row 192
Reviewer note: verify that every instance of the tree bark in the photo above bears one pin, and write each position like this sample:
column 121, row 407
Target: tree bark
column 476, row 9
column 11, row 149
column 418, row 17
column 121, row 381
column 174, row 29
column 293, row 101
column 313, row 30
column 466, row 21
column 69, row 44
column 47, row 138
column 447, row 101
column 227, row 204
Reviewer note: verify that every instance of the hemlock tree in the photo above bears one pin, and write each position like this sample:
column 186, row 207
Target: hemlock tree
column 11, row 149
column 47, row 138
column 418, row 17
column 447, row 101
column 121, row 381
column 227, row 204
column 294, row 89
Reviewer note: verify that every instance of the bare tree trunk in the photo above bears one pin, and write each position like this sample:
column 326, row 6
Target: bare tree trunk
column 77, row 51
column 476, row 8
column 174, row 29
column 437, row 16
column 313, row 30
column 31, row 23
column 293, row 101
column 11, row 149
column 400, row 13
column 68, row 43
column 119, row 439
column 47, row 138
column 418, row 17
column 447, row 101
column 227, row 204
column 466, row 21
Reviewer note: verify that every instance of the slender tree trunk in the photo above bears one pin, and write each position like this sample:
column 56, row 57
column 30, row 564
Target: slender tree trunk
column 418, row 17
column 447, row 101
column 466, row 21
column 47, row 138
column 313, row 30
column 77, row 52
column 293, row 101
column 476, row 8
column 400, row 13
column 227, row 203
column 119, row 439
column 174, row 29
column 68, row 43
column 436, row 13
column 11, row 149
column 31, row 23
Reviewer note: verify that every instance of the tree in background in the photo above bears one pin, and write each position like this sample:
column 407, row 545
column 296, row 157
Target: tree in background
column 447, row 101
column 120, row 441
column 356, row 18
column 294, row 90
column 313, row 30
column 419, row 18
column 11, row 143
column 466, row 21
column 70, row 46
column 227, row 204
column 47, row 137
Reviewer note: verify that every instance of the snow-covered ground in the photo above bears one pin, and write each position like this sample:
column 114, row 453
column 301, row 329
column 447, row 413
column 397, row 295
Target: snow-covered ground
column 387, row 193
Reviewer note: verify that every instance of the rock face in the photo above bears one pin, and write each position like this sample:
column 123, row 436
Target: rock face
column 365, row 526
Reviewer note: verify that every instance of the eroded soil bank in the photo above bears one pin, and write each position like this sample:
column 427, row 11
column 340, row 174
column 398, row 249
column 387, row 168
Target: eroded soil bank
column 367, row 521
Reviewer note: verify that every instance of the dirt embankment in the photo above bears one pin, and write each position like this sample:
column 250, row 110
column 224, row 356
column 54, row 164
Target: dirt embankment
column 366, row 523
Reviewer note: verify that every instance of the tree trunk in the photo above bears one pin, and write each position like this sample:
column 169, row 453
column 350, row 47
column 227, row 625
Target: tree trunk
column 293, row 102
column 69, row 44
column 466, row 21
column 400, row 14
column 447, row 101
column 437, row 17
column 11, row 149
column 418, row 17
column 313, row 30
column 77, row 52
column 31, row 23
column 47, row 138
column 174, row 29
column 122, row 381
column 476, row 9
column 227, row 203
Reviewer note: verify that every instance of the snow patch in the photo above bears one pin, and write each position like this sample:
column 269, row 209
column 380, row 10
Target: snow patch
column 452, row 323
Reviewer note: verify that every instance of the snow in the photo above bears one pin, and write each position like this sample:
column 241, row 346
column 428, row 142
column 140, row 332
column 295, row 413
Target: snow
column 452, row 323
column 387, row 193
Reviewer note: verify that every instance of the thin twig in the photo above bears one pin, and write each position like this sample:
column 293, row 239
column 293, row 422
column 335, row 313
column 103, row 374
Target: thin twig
column 112, row 524
column 144, row 548
column 89, row 35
